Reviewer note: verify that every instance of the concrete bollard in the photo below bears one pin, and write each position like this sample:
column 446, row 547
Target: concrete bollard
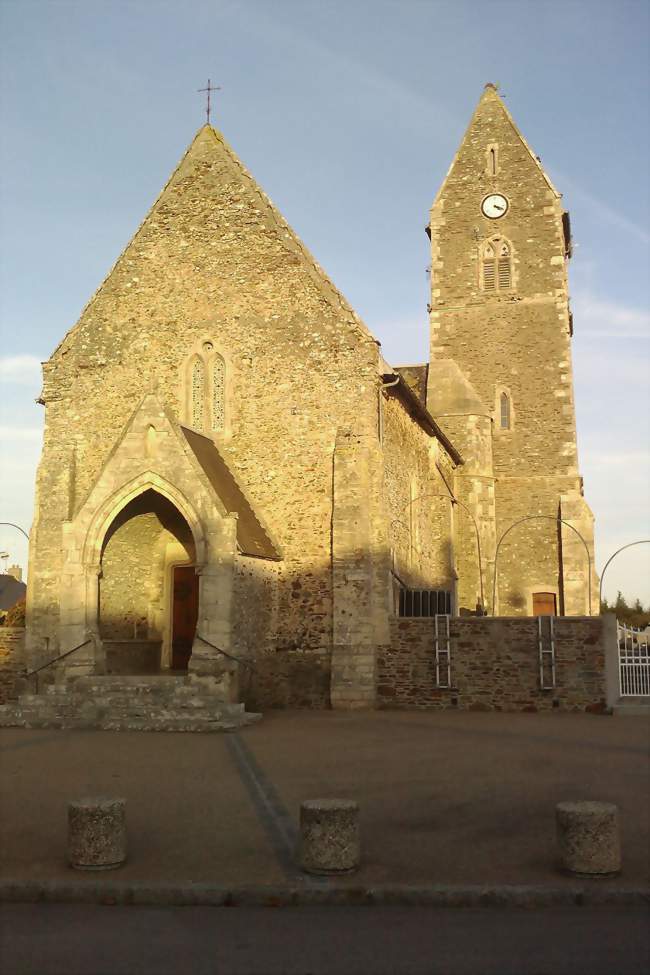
column 97, row 833
column 329, row 836
column 588, row 838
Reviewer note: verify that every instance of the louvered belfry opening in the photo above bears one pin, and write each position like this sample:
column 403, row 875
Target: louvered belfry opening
column 496, row 261
column 504, row 267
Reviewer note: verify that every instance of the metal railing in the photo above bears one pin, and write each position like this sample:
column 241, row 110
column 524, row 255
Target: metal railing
column 55, row 660
column 424, row 603
column 633, row 661
column 230, row 656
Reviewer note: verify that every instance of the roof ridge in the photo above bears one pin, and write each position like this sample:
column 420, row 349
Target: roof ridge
column 128, row 244
column 321, row 275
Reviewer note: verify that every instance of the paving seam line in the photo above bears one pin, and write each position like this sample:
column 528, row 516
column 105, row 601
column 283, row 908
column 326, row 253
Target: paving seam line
column 271, row 811
column 195, row 895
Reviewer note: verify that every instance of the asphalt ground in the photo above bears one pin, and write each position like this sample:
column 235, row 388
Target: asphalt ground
column 446, row 798
column 81, row 939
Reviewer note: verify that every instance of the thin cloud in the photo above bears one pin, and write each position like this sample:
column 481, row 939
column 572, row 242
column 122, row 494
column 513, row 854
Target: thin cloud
column 605, row 213
column 20, row 369
column 24, row 434
column 626, row 458
column 609, row 319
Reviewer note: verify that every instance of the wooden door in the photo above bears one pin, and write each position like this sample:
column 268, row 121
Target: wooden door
column 544, row 604
column 185, row 612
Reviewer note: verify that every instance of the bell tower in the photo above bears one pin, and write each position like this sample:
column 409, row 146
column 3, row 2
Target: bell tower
column 500, row 380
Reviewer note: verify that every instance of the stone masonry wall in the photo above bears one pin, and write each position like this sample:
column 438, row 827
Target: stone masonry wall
column 12, row 661
column 419, row 520
column 288, row 679
column 280, row 675
column 494, row 666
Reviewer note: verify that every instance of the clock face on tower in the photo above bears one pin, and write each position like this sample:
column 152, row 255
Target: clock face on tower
column 493, row 206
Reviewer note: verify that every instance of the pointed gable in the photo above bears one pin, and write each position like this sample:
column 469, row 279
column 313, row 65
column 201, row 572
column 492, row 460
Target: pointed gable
column 490, row 124
column 211, row 207
column 154, row 450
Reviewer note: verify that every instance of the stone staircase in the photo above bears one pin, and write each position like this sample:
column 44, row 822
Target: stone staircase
column 129, row 703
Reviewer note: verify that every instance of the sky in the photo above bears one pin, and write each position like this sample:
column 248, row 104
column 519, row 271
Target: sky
column 348, row 114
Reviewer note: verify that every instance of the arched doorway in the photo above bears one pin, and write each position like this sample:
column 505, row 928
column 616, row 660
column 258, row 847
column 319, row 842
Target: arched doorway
column 147, row 548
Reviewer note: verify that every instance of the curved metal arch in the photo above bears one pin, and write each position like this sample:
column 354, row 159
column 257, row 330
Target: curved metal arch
column 112, row 506
column 537, row 518
column 10, row 524
column 643, row 541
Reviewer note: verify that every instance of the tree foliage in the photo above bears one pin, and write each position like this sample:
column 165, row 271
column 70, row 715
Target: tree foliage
column 636, row 615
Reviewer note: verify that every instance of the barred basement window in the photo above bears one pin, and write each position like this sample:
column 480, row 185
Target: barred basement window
column 505, row 411
column 198, row 393
column 218, row 393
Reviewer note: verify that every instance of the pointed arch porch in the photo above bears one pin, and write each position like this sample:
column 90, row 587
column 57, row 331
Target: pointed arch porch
column 106, row 514
column 214, row 537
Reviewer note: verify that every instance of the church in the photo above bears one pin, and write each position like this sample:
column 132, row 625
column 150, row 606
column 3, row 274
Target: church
column 236, row 486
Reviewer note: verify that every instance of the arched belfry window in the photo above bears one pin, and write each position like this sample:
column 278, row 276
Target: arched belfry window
column 205, row 390
column 496, row 265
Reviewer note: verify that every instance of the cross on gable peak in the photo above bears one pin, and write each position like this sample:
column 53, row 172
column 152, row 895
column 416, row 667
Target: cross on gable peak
column 208, row 90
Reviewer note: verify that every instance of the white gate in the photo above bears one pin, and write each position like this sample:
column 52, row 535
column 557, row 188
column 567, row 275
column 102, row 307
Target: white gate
column 633, row 661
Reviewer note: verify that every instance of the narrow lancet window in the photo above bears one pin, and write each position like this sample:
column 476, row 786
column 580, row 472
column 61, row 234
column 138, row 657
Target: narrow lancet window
column 492, row 160
column 218, row 393
column 205, row 382
column 198, row 393
column 505, row 411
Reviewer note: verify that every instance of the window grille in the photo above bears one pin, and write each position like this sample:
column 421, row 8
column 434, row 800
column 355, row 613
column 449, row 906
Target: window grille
column 424, row 602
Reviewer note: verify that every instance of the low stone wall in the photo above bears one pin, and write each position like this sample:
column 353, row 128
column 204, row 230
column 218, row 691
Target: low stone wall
column 12, row 661
column 495, row 665
column 287, row 679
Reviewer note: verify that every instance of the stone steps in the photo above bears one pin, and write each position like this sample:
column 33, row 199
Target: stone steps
column 149, row 703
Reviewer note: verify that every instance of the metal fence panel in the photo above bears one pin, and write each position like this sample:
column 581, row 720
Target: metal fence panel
column 633, row 661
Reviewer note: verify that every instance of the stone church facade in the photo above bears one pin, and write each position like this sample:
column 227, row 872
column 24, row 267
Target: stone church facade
column 232, row 472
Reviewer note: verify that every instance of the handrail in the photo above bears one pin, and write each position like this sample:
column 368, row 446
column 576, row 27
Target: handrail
column 54, row 660
column 239, row 660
